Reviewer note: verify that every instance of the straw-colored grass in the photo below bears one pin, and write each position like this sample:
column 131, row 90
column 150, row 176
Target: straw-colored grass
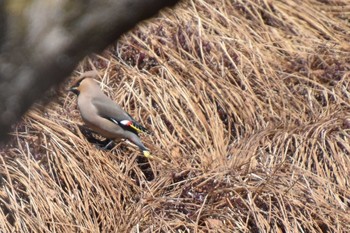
column 248, row 104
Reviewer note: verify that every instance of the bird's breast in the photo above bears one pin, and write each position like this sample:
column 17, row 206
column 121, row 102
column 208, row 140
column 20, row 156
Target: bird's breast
column 97, row 123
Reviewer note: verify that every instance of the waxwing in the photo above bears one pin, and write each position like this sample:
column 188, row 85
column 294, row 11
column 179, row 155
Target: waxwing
column 104, row 116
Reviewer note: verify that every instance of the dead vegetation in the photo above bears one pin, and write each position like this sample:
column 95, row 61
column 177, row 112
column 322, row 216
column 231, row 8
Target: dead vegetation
column 248, row 102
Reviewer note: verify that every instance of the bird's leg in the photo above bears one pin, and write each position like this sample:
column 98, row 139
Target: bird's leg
column 110, row 144
column 88, row 134
column 106, row 144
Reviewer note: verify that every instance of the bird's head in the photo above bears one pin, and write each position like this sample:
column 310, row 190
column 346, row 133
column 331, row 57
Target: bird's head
column 84, row 84
column 76, row 87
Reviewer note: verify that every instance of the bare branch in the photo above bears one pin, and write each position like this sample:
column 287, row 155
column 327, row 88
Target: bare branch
column 42, row 42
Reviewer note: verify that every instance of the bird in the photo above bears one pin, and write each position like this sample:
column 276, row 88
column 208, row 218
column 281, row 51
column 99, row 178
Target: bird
column 105, row 117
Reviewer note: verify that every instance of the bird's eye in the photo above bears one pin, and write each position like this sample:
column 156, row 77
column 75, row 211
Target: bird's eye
column 78, row 83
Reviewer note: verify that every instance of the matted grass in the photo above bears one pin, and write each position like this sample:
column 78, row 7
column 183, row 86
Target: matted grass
column 248, row 104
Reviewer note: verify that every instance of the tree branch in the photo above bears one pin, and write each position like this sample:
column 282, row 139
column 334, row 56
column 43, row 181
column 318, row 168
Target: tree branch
column 43, row 41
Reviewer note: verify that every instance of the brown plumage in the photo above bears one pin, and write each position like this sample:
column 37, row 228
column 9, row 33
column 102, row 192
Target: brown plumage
column 104, row 116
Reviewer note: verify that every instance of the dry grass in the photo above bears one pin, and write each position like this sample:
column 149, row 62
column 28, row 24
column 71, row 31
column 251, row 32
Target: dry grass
column 248, row 102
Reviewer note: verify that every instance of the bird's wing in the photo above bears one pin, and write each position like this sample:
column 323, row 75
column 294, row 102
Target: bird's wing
column 110, row 110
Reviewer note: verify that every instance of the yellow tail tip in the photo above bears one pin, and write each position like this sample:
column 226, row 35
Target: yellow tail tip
column 147, row 154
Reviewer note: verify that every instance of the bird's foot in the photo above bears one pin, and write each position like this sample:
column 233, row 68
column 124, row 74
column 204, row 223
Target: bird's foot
column 107, row 144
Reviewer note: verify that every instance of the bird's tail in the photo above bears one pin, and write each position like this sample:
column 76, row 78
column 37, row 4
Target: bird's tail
column 147, row 154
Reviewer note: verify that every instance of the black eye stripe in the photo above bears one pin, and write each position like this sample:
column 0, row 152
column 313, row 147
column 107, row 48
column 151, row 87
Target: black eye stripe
column 78, row 83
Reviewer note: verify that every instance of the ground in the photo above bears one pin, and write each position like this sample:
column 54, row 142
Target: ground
column 248, row 105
